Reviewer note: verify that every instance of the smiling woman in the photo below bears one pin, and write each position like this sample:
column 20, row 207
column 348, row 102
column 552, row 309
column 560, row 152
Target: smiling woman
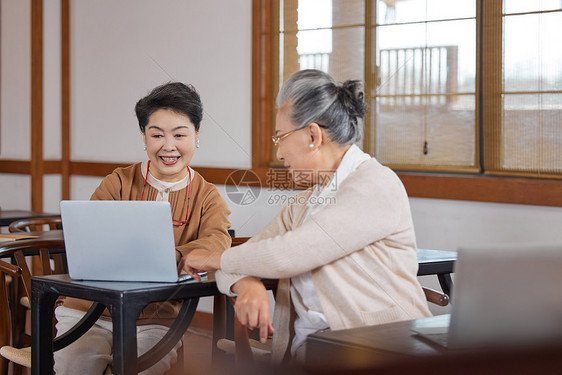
column 169, row 118
column 170, row 140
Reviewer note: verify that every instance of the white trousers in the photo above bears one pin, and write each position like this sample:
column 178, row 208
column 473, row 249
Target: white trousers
column 92, row 353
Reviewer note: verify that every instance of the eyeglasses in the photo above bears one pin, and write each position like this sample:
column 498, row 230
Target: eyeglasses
column 277, row 138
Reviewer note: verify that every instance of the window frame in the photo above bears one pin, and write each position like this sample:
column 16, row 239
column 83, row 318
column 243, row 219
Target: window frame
column 456, row 186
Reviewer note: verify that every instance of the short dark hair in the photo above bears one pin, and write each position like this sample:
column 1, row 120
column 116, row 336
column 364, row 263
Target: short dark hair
column 176, row 96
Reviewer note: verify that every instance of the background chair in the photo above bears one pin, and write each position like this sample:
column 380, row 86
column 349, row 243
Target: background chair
column 18, row 251
column 36, row 224
column 39, row 224
column 8, row 273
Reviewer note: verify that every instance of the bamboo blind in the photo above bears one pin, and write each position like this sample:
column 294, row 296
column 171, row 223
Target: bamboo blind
column 453, row 95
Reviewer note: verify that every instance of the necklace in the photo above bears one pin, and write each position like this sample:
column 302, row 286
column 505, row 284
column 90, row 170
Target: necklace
column 176, row 223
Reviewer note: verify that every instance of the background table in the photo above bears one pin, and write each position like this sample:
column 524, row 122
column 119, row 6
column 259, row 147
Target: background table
column 8, row 216
column 440, row 263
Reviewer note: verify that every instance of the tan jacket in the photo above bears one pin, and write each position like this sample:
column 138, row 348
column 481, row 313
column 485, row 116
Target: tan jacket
column 361, row 251
column 207, row 226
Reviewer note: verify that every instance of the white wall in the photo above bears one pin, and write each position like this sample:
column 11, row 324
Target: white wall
column 448, row 224
column 16, row 80
column 122, row 49
column 440, row 224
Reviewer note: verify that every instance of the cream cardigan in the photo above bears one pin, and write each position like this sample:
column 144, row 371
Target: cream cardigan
column 361, row 251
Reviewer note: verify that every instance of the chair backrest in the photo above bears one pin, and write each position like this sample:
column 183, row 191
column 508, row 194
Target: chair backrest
column 44, row 249
column 239, row 241
column 8, row 274
column 19, row 251
column 35, row 224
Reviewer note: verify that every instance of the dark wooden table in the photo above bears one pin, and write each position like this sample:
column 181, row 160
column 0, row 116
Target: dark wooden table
column 125, row 301
column 8, row 216
column 46, row 235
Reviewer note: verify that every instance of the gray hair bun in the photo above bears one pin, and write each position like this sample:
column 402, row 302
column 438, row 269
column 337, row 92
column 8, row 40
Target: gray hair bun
column 350, row 93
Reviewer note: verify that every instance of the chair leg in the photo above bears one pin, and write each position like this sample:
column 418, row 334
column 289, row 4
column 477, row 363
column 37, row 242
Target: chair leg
column 18, row 317
column 17, row 369
column 3, row 366
column 5, row 323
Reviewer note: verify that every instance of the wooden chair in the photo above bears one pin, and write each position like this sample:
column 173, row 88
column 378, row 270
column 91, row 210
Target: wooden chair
column 13, row 272
column 35, row 224
column 239, row 241
column 38, row 225
column 18, row 352
column 246, row 347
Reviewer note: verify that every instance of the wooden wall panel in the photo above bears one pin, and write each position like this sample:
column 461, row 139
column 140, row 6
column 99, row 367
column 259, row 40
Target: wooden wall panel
column 65, row 98
column 37, row 105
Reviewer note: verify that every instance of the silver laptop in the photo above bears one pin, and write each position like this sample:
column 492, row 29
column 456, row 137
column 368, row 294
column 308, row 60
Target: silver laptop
column 508, row 295
column 120, row 241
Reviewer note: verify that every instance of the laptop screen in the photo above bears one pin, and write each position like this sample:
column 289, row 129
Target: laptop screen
column 119, row 240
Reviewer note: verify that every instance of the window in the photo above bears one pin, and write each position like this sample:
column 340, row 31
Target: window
column 525, row 126
column 423, row 97
column 456, row 86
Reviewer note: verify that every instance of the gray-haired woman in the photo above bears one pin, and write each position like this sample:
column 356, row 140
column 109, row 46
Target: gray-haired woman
column 345, row 249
